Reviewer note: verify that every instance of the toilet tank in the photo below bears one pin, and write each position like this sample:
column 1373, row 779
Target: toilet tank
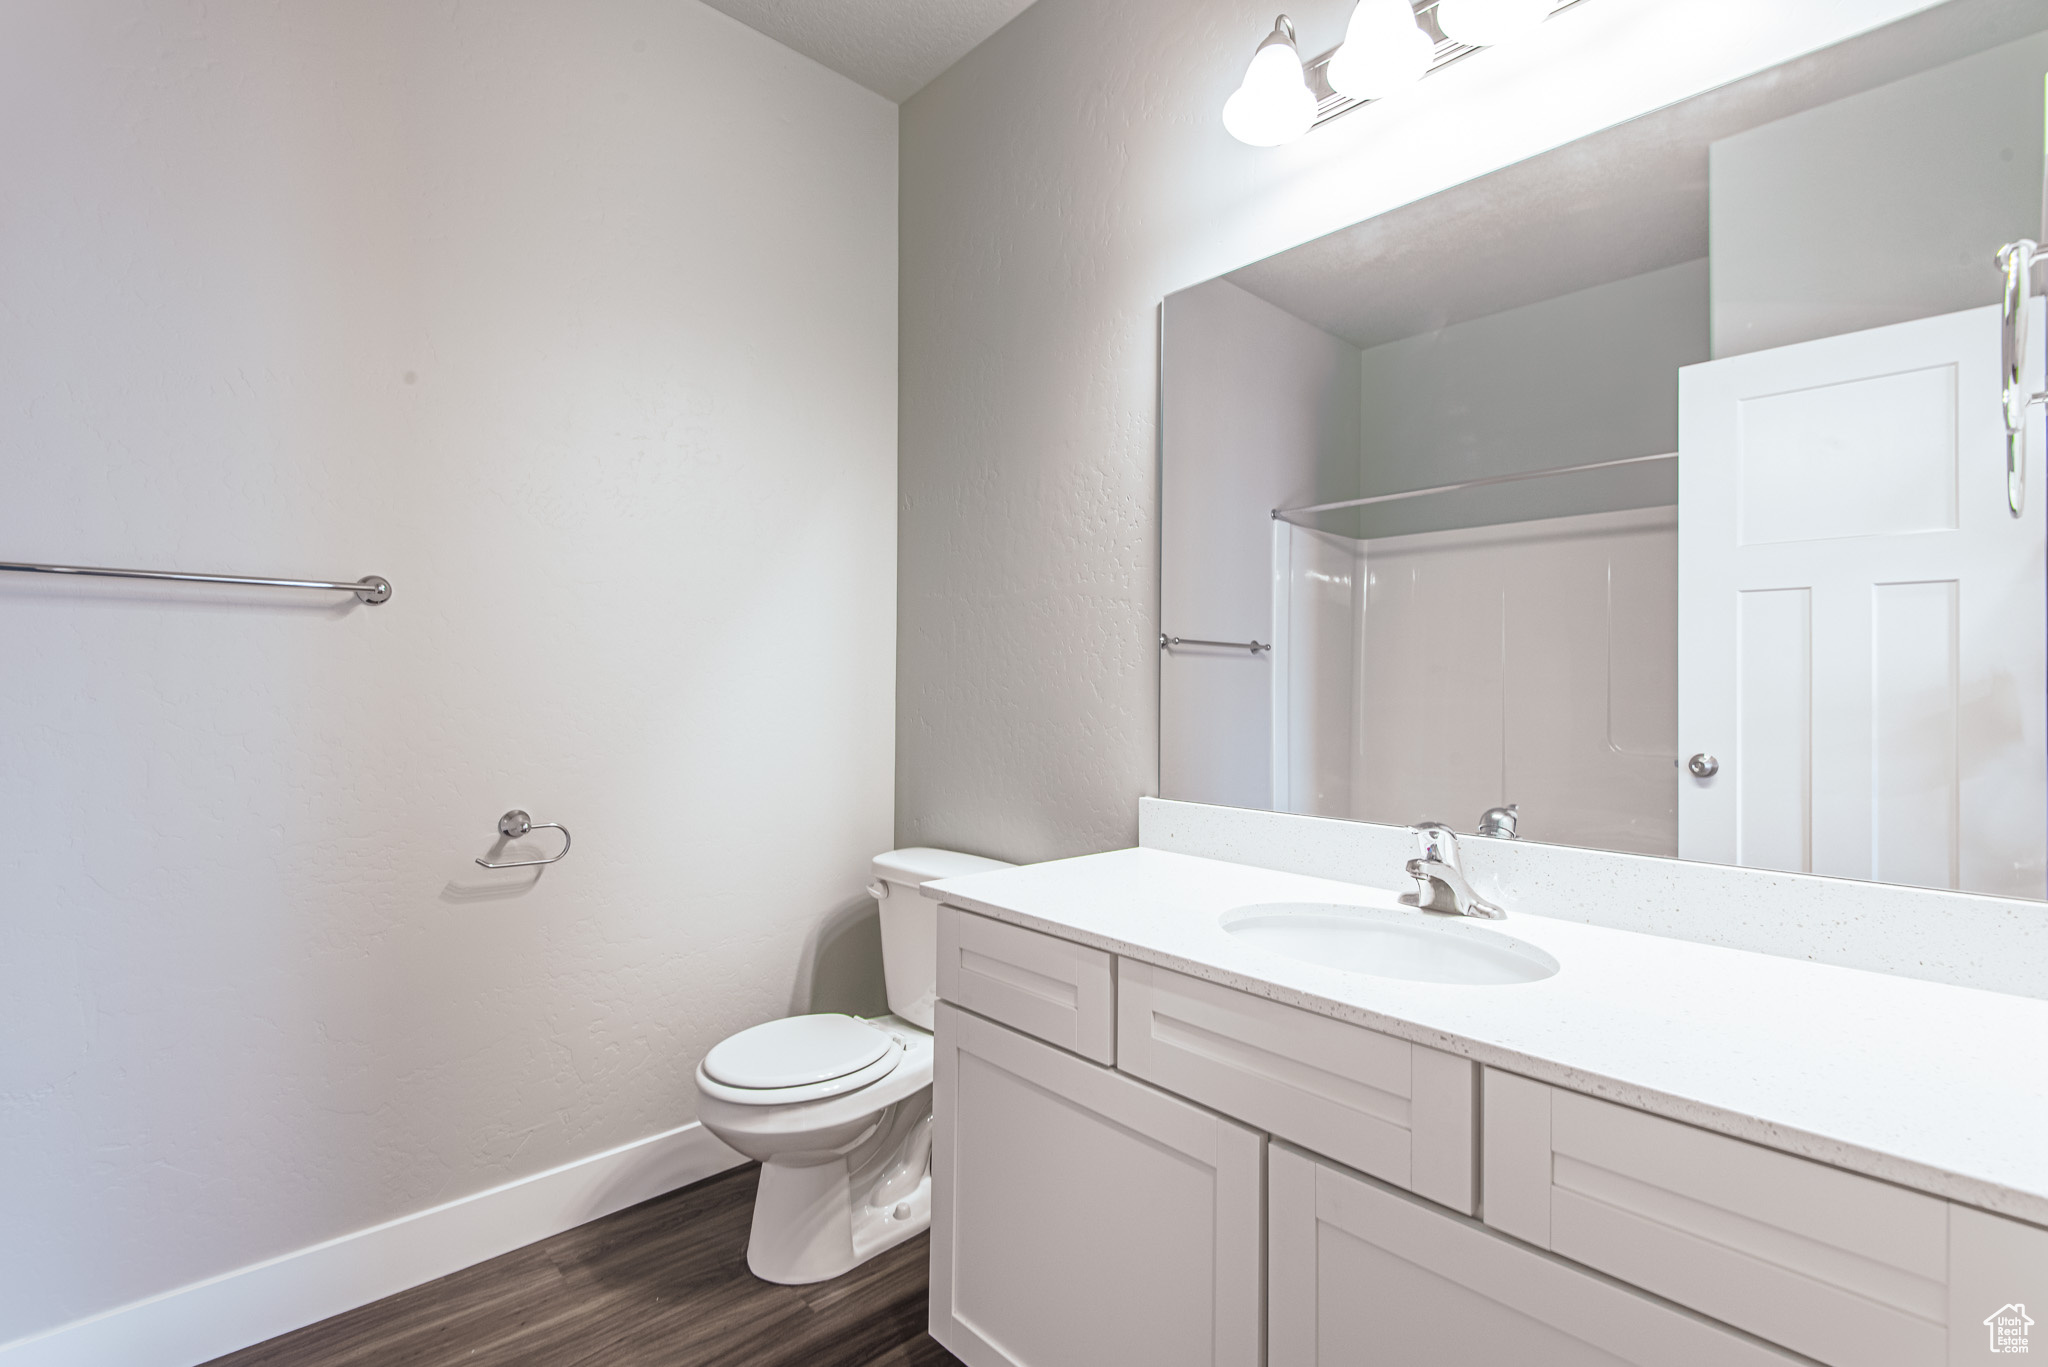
column 910, row 923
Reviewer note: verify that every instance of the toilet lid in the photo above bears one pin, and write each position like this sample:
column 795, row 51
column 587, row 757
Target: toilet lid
column 796, row 1051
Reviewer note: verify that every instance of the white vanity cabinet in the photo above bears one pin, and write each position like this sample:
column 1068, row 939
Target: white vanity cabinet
column 1255, row 1181
column 1361, row 1275
column 1081, row 1218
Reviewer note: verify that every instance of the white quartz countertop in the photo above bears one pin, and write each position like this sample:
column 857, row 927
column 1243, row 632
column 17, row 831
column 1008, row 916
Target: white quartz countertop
column 1942, row 1089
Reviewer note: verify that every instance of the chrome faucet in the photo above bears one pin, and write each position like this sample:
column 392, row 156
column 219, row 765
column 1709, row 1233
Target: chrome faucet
column 1439, row 875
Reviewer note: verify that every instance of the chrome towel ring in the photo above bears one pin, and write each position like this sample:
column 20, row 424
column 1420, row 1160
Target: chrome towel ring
column 515, row 824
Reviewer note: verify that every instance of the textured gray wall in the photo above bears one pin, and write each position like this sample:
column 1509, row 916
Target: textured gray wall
column 1588, row 376
column 575, row 320
column 1260, row 411
column 1879, row 208
column 1058, row 183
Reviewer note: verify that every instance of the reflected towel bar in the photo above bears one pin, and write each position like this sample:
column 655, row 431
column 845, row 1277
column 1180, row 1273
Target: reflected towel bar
column 370, row 588
column 1289, row 514
column 1168, row 642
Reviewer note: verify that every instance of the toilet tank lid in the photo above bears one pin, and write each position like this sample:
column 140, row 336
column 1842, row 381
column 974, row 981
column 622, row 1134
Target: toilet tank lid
column 917, row 866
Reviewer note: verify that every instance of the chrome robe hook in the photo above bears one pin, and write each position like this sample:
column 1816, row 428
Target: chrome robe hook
column 515, row 824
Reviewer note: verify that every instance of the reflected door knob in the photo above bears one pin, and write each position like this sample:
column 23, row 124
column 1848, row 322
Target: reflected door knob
column 1703, row 766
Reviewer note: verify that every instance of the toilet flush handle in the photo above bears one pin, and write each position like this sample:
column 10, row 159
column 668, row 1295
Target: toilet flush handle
column 879, row 890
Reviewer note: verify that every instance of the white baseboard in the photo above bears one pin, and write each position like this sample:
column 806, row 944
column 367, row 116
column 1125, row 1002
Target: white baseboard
column 196, row 1323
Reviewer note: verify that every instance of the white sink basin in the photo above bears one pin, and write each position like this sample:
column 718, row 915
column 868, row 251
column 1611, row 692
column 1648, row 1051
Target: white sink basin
column 1389, row 944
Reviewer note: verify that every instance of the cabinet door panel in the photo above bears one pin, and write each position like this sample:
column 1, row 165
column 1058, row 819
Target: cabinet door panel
column 1997, row 1268
column 1365, row 1276
column 1080, row 1217
column 1399, row 1111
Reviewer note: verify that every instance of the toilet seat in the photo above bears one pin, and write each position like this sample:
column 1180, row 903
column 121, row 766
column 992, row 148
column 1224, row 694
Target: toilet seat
column 799, row 1058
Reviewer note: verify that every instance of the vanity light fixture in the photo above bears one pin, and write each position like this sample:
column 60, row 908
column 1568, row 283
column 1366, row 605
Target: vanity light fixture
column 1489, row 23
column 1384, row 51
column 1388, row 46
column 1273, row 105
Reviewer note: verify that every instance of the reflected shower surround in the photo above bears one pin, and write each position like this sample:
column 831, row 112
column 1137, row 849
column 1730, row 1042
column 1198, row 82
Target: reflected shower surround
column 1540, row 657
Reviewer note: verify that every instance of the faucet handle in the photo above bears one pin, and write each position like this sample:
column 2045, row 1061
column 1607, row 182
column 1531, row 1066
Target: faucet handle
column 1439, row 875
column 1437, row 842
column 1437, row 845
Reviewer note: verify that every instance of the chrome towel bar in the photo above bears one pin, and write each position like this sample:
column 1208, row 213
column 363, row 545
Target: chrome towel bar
column 370, row 588
column 1169, row 642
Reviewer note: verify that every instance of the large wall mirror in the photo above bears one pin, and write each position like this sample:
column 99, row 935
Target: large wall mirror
column 1657, row 486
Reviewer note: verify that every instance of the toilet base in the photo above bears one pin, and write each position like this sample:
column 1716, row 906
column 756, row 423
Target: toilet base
column 815, row 1220
column 875, row 1231
column 806, row 1228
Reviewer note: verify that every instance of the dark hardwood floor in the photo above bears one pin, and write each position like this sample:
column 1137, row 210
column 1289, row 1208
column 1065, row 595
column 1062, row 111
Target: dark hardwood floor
column 664, row 1284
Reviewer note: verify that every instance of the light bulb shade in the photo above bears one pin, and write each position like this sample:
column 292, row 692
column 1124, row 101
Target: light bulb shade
column 1378, row 58
column 1274, row 104
column 1378, row 16
column 1489, row 23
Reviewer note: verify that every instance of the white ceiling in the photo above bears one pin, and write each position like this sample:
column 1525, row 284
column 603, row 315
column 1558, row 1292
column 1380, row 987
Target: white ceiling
column 893, row 47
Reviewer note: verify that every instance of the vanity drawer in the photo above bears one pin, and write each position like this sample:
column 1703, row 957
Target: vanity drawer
column 1397, row 1111
column 1359, row 1275
column 1843, row 1268
column 1059, row 992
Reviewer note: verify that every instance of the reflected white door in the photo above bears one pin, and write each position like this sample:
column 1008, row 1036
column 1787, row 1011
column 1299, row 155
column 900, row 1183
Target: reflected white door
column 1861, row 618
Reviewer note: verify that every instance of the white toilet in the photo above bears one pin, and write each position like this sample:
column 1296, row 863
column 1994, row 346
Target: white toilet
column 837, row 1109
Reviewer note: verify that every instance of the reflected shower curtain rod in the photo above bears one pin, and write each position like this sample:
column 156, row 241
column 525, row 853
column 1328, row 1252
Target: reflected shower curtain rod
column 1289, row 514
